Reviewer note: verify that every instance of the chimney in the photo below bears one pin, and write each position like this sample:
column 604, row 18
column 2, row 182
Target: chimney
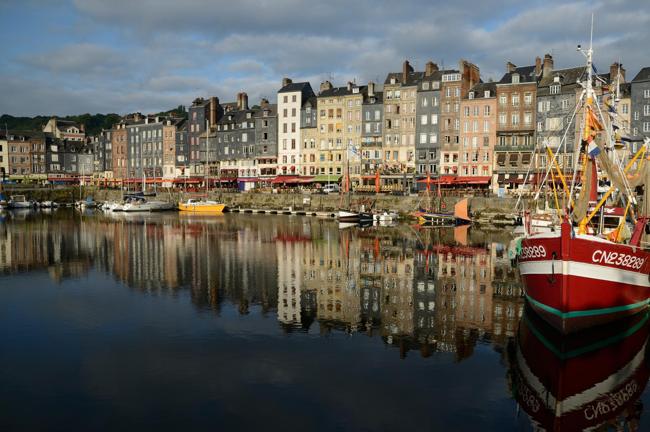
column 406, row 69
column 157, row 119
column 146, row 120
column 430, row 68
column 243, row 101
column 548, row 64
column 614, row 70
column 349, row 86
column 371, row 88
column 286, row 81
column 325, row 86
column 264, row 102
column 538, row 66
column 510, row 67
column 214, row 101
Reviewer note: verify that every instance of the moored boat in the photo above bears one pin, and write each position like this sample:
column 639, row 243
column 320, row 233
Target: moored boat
column 20, row 202
column 585, row 273
column 197, row 206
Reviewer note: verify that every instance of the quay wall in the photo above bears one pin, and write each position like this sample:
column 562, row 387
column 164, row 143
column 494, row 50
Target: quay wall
column 479, row 205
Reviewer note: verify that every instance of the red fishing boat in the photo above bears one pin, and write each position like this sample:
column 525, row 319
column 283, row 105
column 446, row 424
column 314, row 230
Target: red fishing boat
column 584, row 273
column 584, row 381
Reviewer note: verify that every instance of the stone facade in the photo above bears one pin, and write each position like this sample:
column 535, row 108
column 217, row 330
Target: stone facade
column 400, row 97
column 516, row 120
column 291, row 99
column 640, row 97
column 478, row 131
column 455, row 85
column 556, row 103
column 266, row 139
column 372, row 113
column 119, row 143
column 427, row 129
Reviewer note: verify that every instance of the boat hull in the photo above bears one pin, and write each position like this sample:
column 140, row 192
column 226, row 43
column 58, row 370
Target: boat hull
column 575, row 281
column 347, row 216
column 201, row 208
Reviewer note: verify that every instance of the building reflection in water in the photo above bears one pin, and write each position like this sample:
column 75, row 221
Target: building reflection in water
column 426, row 291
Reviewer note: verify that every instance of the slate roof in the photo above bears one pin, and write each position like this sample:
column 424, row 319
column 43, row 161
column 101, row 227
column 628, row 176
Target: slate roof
column 342, row 91
column 379, row 98
column 259, row 111
column 412, row 79
column 480, row 89
column 294, row 87
column 643, row 75
column 526, row 75
column 567, row 76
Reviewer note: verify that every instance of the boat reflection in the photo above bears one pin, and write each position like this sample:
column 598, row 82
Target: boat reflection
column 588, row 381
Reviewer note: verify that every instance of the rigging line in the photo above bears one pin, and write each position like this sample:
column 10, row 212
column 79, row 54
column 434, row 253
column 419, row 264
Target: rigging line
column 575, row 165
column 563, row 140
column 525, row 179
column 626, row 184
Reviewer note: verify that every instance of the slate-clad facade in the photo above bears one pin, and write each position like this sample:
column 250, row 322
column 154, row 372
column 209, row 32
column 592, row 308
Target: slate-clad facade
column 640, row 96
column 427, row 129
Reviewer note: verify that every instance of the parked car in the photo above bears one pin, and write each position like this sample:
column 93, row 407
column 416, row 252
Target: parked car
column 331, row 188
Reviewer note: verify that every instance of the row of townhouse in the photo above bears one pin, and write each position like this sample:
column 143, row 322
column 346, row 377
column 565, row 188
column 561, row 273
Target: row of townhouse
column 41, row 156
column 435, row 122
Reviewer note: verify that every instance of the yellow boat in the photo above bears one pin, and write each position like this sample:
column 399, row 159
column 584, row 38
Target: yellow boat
column 198, row 206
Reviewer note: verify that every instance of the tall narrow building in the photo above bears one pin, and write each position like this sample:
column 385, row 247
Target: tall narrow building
column 455, row 85
column 427, row 127
column 478, row 133
column 516, row 119
column 291, row 98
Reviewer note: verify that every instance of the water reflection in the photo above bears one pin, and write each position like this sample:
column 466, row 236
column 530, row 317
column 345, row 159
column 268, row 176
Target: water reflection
column 420, row 291
column 592, row 380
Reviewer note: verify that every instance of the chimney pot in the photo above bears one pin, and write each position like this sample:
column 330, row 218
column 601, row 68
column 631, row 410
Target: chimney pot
column 510, row 67
column 406, row 69
column 371, row 88
column 326, row 85
column 548, row 64
column 214, row 101
column 538, row 66
column 430, row 68
column 286, row 81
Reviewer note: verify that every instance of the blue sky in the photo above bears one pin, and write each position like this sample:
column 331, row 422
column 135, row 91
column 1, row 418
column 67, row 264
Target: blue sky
column 76, row 56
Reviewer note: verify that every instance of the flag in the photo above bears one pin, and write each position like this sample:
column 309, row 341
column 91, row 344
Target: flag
column 593, row 149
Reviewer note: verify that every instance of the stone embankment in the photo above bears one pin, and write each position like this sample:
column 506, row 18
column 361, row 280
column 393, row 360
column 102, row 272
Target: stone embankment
column 484, row 210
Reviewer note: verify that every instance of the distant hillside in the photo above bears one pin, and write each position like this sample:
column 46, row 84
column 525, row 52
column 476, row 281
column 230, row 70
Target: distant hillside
column 94, row 123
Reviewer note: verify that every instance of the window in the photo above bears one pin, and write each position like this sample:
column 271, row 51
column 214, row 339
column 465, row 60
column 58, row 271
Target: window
column 486, row 141
column 423, row 138
column 515, row 99
column 646, row 126
column 540, row 126
column 515, row 119
column 528, row 98
column 425, row 85
column 377, row 115
column 503, row 99
column 471, row 95
column 486, row 126
column 646, row 110
column 544, row 106
column 486, row 110
column 424, row 119
column 625, row 108
column 646, row 93
column 434, row 119
column 554, row 89
column 293, row 98
column 528, row 118
column 286, row 99
column 502, row 119
column 433, row 139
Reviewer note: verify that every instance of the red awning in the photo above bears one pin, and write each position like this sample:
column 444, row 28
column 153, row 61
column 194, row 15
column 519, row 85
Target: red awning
column 187, row 180
column 248, row 179
column 286, row 179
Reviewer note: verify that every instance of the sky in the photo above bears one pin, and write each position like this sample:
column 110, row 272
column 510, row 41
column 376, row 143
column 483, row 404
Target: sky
column 98, row 56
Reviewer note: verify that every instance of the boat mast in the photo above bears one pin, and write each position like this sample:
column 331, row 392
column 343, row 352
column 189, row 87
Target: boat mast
column 205, row 169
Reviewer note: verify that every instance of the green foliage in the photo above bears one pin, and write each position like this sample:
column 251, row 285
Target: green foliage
column 94, row 123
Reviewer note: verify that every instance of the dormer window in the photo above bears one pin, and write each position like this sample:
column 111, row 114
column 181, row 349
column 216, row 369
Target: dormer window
column 556, row 78
column 248, row 115
column 486, row 94
column 393, row 81
column 425, row 85
column 355, row 90
column 555, row 89
column 471, row 95
column 515, row 78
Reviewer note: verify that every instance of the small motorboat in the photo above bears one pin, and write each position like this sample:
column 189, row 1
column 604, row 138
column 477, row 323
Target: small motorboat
column 385, row 217
column 193, row 205
column 48, row 204
column 20, row 202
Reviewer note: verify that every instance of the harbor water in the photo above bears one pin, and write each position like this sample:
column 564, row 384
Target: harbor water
column 262, row 322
